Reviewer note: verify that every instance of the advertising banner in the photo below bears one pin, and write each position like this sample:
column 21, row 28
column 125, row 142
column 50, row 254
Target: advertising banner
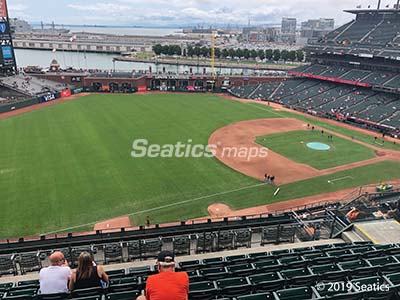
column 3, row 9
column 65, row 93
column 48, row 97
column 4, row 28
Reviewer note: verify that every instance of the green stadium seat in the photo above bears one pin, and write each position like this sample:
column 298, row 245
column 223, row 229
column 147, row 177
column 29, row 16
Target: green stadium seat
column 269, row 265
column 230, row 287
column 304, row 250
column 21, row 291
column 298, row 277
column 364, row 272
column 96, row 291
column 239, row 270
column 266, row 282
column 259, row 296
column 203, row 290
column 282, row 253
column 97, row 297
column 189, row 265
column 258, row 256
column 122, row 287
column 116, row 273
column 140, row 271
column 391, row 268
column 214, row 273
column 58, row 296
column 237, row 259
column 373, row 295
column 393, row 279
column 329, row 272
column 313, row 255
column 127, row 295
column 342, row 255
column 5, row 286
column 298, row 293
column 293, row 262
column 372, row 254
column 20, row 297
column 215, row 261
column 123, row 280
column 392, row 251
column 381, row 261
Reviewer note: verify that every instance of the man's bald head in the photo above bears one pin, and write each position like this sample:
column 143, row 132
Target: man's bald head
column 57, row 258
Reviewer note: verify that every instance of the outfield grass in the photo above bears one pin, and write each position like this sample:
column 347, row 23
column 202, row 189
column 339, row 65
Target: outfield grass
column 338, row 129
column 70, row 163
column 293, row 145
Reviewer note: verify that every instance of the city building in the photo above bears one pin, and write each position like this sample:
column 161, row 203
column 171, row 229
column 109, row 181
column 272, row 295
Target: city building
column 260, row 34
column 316, row 28
column 288, row 30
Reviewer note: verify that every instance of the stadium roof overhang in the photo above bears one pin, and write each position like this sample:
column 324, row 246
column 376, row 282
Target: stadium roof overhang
column 373, row 11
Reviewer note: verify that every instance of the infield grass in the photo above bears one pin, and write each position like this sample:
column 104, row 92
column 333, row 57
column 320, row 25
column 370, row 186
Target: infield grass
column 69, row 164
column 293, row 145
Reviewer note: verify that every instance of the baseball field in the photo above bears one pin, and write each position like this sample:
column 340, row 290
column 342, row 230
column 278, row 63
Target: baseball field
column 67, row 166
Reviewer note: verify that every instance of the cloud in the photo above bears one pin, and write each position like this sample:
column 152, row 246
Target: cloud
column 182, row 12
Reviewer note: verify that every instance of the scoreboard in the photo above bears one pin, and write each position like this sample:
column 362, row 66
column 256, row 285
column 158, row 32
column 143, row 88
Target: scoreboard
column 7, row 56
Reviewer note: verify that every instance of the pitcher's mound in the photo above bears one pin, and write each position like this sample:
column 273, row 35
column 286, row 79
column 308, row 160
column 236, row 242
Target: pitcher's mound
column 117, row 223
column 219, row 210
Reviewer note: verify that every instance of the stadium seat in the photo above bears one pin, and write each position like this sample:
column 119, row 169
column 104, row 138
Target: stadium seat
column 181, row 245
column 393, row 279
column 297, row 293
column 266, row 282
column 213, row 262
column 96, row 291
column 298, row 277
column 189, row 265
column 113, row 253
column 229, row 287
column 204, row 290
column 269, row 265
column 126, row 295
column 237, row 259
column 258, row 256
column 329, row 272
column 241, row 269
column 29, row 262
column 242, row 238
column 214, row 273
column 205, row 242
column 225, row 240
column 59, row 296
column 113, row 274
column 134, row 250
column 151, row 248
column 373, row 294
column 259, row 296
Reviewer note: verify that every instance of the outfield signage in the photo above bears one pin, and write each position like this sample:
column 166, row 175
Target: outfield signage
column 3, row 9
column 48, row 97
column 7, row 56
column 338, row 80
column 4, row 28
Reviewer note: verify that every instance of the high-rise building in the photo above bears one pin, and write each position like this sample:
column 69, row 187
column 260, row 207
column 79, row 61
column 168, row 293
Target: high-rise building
column 316, row 28
column 288, row 30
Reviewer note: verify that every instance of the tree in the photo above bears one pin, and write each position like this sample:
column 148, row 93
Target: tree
column 157, row 49
column 217, row 52
column 165, row 50
column 240, row 53
column 232, row 52
column 253, row 54
column 204, row 51
column 197, row 51
column 246, row 53
column 300, row 55
column 269, row 54
column 190, row 51
column 224, row 53
column 284, row 55
column 292, row 55
column 277, row 54
column 261, row 54
column 184, row 52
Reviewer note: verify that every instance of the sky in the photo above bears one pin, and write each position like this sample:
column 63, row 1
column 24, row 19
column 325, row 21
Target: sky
column 182, row 12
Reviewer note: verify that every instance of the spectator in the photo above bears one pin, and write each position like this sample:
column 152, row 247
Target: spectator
column 354, row 213
column 54, row 278
column 167, row 284
column 88, row 274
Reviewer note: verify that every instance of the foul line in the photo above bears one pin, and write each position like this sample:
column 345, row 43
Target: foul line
column 341, row 178
column 161, row 207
